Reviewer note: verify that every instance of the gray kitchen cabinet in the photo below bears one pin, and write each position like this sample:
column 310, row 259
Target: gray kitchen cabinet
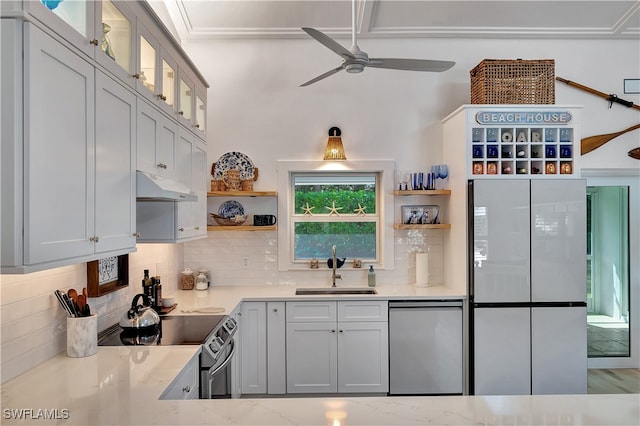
column 171, row 221
column 262, row 348
column 67, row 115
column 253, row 348
column 115, row 184
column 60, row 187
column 186, row 383
column 337, row 347
column 191, row 166
column 276, row 348
column 157, row 139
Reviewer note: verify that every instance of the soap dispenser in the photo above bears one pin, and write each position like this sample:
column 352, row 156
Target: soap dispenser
column 371, row 277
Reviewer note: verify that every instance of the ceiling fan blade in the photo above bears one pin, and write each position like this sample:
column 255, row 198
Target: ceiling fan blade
column 320, row 77
column 329, row 42
column 410, row 64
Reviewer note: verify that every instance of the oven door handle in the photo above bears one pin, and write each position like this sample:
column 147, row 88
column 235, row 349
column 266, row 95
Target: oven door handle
column 226, row 361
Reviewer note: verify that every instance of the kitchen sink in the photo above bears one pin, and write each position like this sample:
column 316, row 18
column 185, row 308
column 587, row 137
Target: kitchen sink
column 334, row 290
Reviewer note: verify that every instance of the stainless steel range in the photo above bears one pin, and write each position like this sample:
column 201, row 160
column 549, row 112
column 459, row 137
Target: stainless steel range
column 213, row 332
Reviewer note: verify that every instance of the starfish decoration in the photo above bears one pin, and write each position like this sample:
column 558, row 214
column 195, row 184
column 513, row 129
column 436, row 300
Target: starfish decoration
column 307, row 209
column 333, row 209
column 360, row 210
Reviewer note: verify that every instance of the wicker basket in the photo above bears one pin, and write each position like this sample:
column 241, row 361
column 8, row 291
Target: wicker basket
column 513, row 81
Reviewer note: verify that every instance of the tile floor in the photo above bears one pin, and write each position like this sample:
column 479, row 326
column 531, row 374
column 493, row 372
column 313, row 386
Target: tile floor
column 606, row 337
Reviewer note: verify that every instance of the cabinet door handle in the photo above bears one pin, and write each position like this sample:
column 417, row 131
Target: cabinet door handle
column 136, row 75
column 94, row 239
column 94, row 42
column 186, row 389
column 197, row 126
column 180, row 112
column 333, row 331
column 181, row 229
column 162, row 166
column 197, row 228
column 162, row 97
column 341, row 331
column 136, row 234
column 275, row 309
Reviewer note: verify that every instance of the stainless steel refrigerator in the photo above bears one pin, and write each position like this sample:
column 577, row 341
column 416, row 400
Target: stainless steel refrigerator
column 527, row 295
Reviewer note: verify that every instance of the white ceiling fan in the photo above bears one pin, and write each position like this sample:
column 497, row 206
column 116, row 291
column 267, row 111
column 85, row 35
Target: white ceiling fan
column 355, row 60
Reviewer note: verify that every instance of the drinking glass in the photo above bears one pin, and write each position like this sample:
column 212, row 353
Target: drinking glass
column 443, row 177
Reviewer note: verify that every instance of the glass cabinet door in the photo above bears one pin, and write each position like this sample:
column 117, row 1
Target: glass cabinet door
column 115, row 43
column 74, row 13
column 201, row 114
column 167, row 91
column 147, row 72
column 73, row 20
column 186, row 99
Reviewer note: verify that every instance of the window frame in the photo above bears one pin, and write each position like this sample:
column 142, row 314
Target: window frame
column 384, row 189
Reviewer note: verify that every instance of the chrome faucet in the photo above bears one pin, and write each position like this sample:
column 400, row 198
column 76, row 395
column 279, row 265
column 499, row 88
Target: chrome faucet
column 334, row 265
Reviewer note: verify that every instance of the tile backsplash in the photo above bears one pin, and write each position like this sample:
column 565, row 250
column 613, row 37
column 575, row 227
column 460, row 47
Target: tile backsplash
column 32, row 322
column 251, row 258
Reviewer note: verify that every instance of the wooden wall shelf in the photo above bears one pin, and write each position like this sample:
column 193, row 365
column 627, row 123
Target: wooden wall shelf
column 241, row 228
column 242, row 194
column 417, row 226
column 423, row 192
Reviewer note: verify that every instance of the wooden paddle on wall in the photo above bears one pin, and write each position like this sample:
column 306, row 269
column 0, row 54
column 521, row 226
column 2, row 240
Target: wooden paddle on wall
column 592, row 142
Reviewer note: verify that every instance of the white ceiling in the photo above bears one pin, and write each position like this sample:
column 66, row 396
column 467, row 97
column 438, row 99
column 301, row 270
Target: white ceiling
column 590, row 19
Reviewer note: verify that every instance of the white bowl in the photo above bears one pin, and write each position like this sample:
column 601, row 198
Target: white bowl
column 168, row 302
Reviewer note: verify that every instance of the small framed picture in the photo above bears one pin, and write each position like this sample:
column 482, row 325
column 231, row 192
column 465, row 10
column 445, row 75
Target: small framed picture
column 107, row 275
column 420, row 214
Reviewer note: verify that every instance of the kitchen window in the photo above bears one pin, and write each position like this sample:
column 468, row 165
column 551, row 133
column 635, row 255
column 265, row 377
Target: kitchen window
column 338, row 209
column 348, row 205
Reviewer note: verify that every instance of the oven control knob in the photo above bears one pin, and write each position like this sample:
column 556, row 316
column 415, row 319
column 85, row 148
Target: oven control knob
column 216, row 344
column 230, row 324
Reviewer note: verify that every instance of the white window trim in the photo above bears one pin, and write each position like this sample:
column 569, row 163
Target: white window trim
column 285, row 168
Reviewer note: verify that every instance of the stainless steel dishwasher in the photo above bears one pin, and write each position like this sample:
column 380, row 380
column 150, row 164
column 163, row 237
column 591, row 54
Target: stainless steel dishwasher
column 425, row 347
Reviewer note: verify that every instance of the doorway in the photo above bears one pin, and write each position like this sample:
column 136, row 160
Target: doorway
column 608, row 280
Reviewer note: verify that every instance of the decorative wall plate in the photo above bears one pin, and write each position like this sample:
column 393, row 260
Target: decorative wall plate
column 230, row 209
column 235, row 161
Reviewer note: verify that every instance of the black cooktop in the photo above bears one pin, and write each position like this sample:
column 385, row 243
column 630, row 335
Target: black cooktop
column 173, row 330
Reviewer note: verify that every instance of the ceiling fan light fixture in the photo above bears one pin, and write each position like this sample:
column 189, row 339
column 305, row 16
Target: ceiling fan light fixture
column 334, row 150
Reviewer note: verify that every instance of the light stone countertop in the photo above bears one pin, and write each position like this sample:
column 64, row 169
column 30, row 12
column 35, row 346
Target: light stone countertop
column 121, row 386
column 229, row 297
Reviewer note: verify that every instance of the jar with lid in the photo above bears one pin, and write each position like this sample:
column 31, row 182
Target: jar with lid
column 201, row 282
column 187, row 279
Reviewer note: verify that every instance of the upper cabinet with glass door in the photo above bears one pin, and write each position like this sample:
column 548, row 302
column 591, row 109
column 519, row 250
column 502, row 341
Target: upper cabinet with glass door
column 186, row 99
column 147, row 69
column 192, row 102
column 72, row 20
column 115, row 27
column 167, row 89
column 201, row 113
column 100, row 29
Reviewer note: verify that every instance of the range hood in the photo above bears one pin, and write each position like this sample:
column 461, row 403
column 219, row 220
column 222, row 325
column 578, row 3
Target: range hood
column 151, row 187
